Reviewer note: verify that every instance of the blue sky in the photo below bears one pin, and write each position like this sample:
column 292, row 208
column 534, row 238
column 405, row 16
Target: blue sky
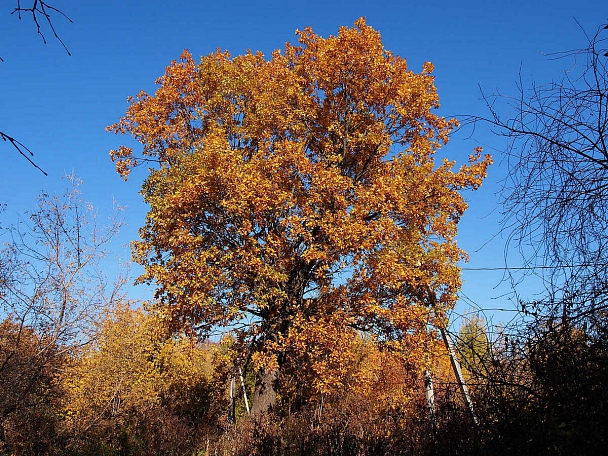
column 58, row 105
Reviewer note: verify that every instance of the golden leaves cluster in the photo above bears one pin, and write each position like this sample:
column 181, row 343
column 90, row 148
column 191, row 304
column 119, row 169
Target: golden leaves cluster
column 132, row 365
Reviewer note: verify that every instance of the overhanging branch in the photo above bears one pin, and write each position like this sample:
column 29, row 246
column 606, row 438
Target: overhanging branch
column 22, row 149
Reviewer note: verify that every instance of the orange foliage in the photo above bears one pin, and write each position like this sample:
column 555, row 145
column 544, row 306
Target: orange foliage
column 297, row 198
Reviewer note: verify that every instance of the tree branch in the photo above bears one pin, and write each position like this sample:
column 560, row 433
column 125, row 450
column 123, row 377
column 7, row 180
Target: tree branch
column 41, row 11
column 22, row 149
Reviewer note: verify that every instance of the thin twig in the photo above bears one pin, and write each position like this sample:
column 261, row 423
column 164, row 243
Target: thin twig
column 40, row 7
column 22, row 149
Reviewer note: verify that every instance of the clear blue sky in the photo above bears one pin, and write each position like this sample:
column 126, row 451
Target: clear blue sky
column 59, row 105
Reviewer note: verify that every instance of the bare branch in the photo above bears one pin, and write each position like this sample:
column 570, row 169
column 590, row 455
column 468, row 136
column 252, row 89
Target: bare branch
column 42, row 11
column 556, row 194
column 22, row 149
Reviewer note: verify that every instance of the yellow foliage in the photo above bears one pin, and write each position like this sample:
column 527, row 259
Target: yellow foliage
column 131, row 366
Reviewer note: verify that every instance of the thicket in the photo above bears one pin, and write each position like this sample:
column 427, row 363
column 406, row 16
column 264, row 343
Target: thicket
column 136, row 390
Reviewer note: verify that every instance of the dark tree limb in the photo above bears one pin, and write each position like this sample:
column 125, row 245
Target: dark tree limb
column 41, row 11
column 22, row 149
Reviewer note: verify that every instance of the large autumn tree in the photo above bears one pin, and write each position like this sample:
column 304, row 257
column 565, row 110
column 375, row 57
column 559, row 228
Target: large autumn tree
column 296, row 200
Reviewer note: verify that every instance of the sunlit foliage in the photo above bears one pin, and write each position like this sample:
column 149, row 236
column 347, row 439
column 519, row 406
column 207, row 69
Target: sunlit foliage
column 137, row 389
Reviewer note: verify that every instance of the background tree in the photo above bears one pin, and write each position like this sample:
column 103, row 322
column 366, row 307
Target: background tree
column 556, row 194
column 543, row 391
column 52, row 290
column 55, row 282
column 474, row 345
column 136, row 390
column 29, row 394
column 296, row 199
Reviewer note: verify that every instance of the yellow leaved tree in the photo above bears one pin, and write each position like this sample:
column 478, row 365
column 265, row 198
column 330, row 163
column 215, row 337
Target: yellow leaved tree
column 136, row 389
column 296, row 201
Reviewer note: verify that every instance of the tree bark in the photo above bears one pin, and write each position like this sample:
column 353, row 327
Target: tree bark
column 430, row 400
column 265, row 394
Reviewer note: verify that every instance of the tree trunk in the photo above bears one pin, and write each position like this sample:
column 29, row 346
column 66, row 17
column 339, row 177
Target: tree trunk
column 265, row 394
column 458, row 372
column 430, row 400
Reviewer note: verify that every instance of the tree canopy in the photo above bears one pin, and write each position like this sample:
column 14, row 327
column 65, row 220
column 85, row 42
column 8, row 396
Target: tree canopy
column 296, row 199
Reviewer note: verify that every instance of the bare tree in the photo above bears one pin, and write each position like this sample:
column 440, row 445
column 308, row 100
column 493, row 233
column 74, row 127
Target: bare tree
column 556, row 195
column 53, row 289
column 54, row 280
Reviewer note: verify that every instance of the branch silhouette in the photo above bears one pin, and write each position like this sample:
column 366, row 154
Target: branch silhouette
column 22, row 149
column 40, row 12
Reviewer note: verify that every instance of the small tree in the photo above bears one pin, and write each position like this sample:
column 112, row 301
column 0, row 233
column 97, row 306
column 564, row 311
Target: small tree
column 52, row 290
column 474, row 345
column 54, row 280
column 29, row 393
column 137, row 390
column 297, row 200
